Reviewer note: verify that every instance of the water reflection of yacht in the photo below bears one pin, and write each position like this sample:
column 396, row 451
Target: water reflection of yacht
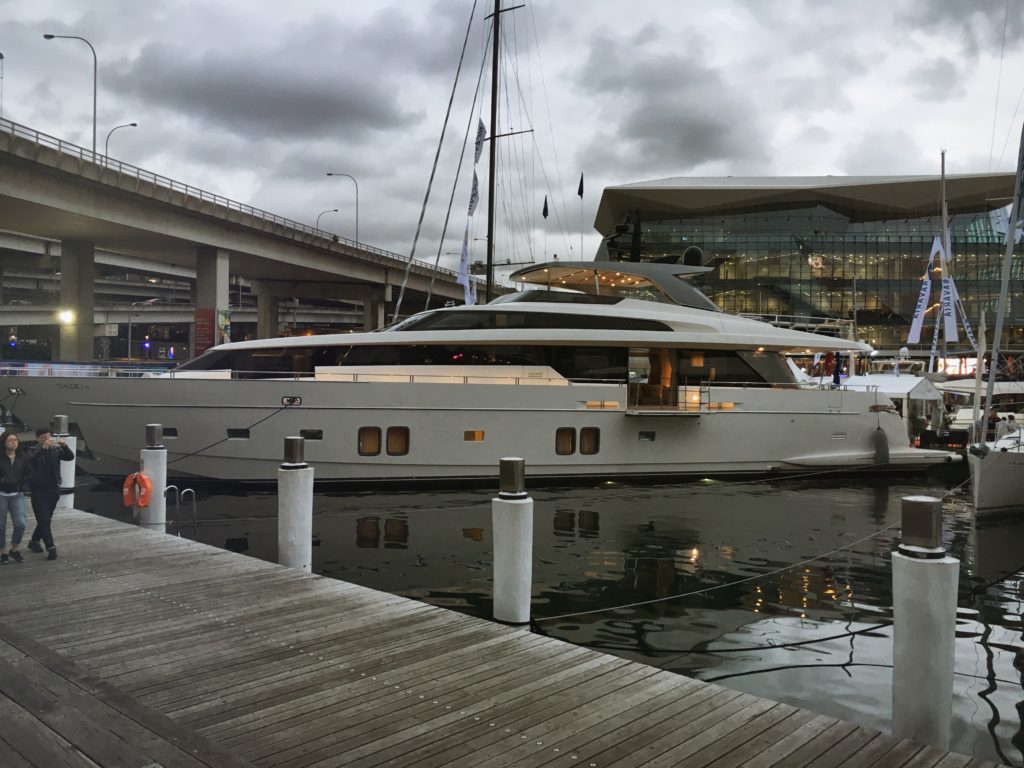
column 632, row 373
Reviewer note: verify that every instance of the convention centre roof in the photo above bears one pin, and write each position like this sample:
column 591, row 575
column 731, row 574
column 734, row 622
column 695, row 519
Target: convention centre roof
column 858, row 197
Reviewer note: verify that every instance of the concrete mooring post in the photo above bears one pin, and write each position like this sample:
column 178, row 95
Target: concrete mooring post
column 924, row 582
column 66, row 500
column 154, row 466
column 512, row 523
column 295, row 507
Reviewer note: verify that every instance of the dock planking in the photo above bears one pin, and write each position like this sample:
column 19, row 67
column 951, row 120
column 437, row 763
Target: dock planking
column 140, row 649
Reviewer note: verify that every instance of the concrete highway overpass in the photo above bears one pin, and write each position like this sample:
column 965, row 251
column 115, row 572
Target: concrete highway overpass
column 61, row 192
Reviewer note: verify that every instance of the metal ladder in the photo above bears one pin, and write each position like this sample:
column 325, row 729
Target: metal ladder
column 178, row 496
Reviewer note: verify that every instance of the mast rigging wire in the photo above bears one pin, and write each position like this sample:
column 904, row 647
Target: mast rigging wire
column 433, row 170
column 458, row 172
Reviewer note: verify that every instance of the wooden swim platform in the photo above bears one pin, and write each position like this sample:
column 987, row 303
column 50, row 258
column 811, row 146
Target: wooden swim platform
column 142, row 650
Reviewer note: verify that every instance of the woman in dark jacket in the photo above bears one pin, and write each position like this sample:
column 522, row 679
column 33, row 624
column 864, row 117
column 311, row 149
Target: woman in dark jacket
column 14, row 478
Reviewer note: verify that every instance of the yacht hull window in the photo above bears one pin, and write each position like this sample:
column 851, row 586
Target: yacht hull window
column 369, row 441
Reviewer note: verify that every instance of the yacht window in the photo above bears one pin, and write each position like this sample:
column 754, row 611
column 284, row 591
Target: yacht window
column 369, row 441
column 266, row 362
column 170, row 431
column 724, row 365
column 460, row 320
column 312, row 434
column 473, row 436
column 565, row 441
column 398, row 441
column 590, row 440
column 646, row 436
column 770, row 366
column 238, row 434
column 596, row 363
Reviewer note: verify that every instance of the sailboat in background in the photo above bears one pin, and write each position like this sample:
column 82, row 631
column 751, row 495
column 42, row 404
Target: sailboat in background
column 997, row 467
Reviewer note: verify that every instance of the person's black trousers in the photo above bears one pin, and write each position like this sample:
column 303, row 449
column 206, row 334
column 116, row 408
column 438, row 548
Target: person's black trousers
column 43, row 504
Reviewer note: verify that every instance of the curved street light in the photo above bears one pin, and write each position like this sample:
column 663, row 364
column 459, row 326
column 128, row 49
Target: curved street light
column 329, row 210
column 95, row 68
column 350, row 176
column 106, row 145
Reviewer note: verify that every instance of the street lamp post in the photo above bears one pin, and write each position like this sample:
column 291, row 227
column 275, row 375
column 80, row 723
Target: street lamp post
column 1, row 86
column 95, row 68
column 347, row 175
column 106, row 144
column 134, row 304
column 329, row 210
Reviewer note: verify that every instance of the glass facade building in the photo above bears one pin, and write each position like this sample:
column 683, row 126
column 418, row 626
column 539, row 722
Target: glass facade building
column 820, row 255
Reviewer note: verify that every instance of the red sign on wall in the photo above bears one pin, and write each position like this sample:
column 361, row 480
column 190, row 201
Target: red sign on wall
column 205, row 326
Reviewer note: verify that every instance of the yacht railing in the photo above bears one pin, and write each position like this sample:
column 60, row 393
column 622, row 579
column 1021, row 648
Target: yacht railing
column 84, row 370
column 829, row 326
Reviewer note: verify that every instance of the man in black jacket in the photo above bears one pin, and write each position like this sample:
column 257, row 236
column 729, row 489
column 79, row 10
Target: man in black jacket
column 45, row 485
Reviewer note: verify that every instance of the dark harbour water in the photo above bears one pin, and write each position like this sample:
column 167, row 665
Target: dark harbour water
column 734, row 600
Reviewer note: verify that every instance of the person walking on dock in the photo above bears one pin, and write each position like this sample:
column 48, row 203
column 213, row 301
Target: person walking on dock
column 45, row 485
column 14, row 477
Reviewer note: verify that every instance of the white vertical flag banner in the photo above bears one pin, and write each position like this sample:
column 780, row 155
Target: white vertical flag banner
column 963, row 318
column 463, row 279
column 481, row 134
column 474, row 196
column 922, row 299
column 463, row 276
column 948, row 306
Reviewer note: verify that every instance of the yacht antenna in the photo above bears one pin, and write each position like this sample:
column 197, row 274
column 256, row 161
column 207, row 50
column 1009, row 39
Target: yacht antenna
column 492, row 151
column 1011, row 238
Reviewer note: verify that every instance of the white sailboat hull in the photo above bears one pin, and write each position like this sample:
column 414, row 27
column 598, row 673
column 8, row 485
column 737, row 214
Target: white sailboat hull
column 459, row 431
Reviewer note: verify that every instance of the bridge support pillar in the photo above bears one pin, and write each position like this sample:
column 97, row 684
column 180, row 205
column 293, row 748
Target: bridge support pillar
column 268, row 311
column 213, row 316
column 375, row 308
column 77, row 276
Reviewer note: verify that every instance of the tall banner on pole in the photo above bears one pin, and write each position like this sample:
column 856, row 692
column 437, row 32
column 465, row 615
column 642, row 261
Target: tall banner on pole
column 922, row 299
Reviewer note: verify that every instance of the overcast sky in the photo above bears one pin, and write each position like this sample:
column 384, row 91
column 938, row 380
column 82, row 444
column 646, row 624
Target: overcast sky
column 257, row 99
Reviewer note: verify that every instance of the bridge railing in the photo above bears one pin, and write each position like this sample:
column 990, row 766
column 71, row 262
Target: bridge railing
column 126, row 169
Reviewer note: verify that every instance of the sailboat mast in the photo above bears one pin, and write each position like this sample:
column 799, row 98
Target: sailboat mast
column 947, row 267
column 493, row 151
column 1011, row 238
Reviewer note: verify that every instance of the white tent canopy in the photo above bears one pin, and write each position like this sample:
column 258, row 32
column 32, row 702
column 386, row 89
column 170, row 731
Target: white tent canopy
column 897, row 387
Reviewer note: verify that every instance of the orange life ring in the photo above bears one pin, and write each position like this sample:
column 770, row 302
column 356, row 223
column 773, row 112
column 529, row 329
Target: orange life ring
column 137, row 490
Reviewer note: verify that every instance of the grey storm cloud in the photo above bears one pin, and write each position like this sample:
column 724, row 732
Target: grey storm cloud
column 975, row 25
column 671, row 112
column 255, row 97
column 884, row 152
column 937, row 80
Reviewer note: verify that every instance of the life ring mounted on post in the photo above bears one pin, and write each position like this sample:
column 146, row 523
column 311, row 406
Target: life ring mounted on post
column 137, row 490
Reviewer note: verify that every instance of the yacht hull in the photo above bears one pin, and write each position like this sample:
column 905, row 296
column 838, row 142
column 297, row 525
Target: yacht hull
column 459, row 431
column 997, row 479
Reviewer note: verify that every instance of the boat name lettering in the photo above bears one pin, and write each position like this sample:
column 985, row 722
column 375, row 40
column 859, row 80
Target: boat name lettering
column 74, row 385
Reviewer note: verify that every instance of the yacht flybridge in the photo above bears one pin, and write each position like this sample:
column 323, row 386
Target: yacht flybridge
column 631, row 373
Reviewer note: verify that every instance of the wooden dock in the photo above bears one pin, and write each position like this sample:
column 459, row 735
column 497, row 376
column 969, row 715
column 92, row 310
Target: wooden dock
column 141, row 650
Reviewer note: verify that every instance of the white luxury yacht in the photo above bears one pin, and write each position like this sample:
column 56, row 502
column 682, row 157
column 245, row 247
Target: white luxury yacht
column 634, row 373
